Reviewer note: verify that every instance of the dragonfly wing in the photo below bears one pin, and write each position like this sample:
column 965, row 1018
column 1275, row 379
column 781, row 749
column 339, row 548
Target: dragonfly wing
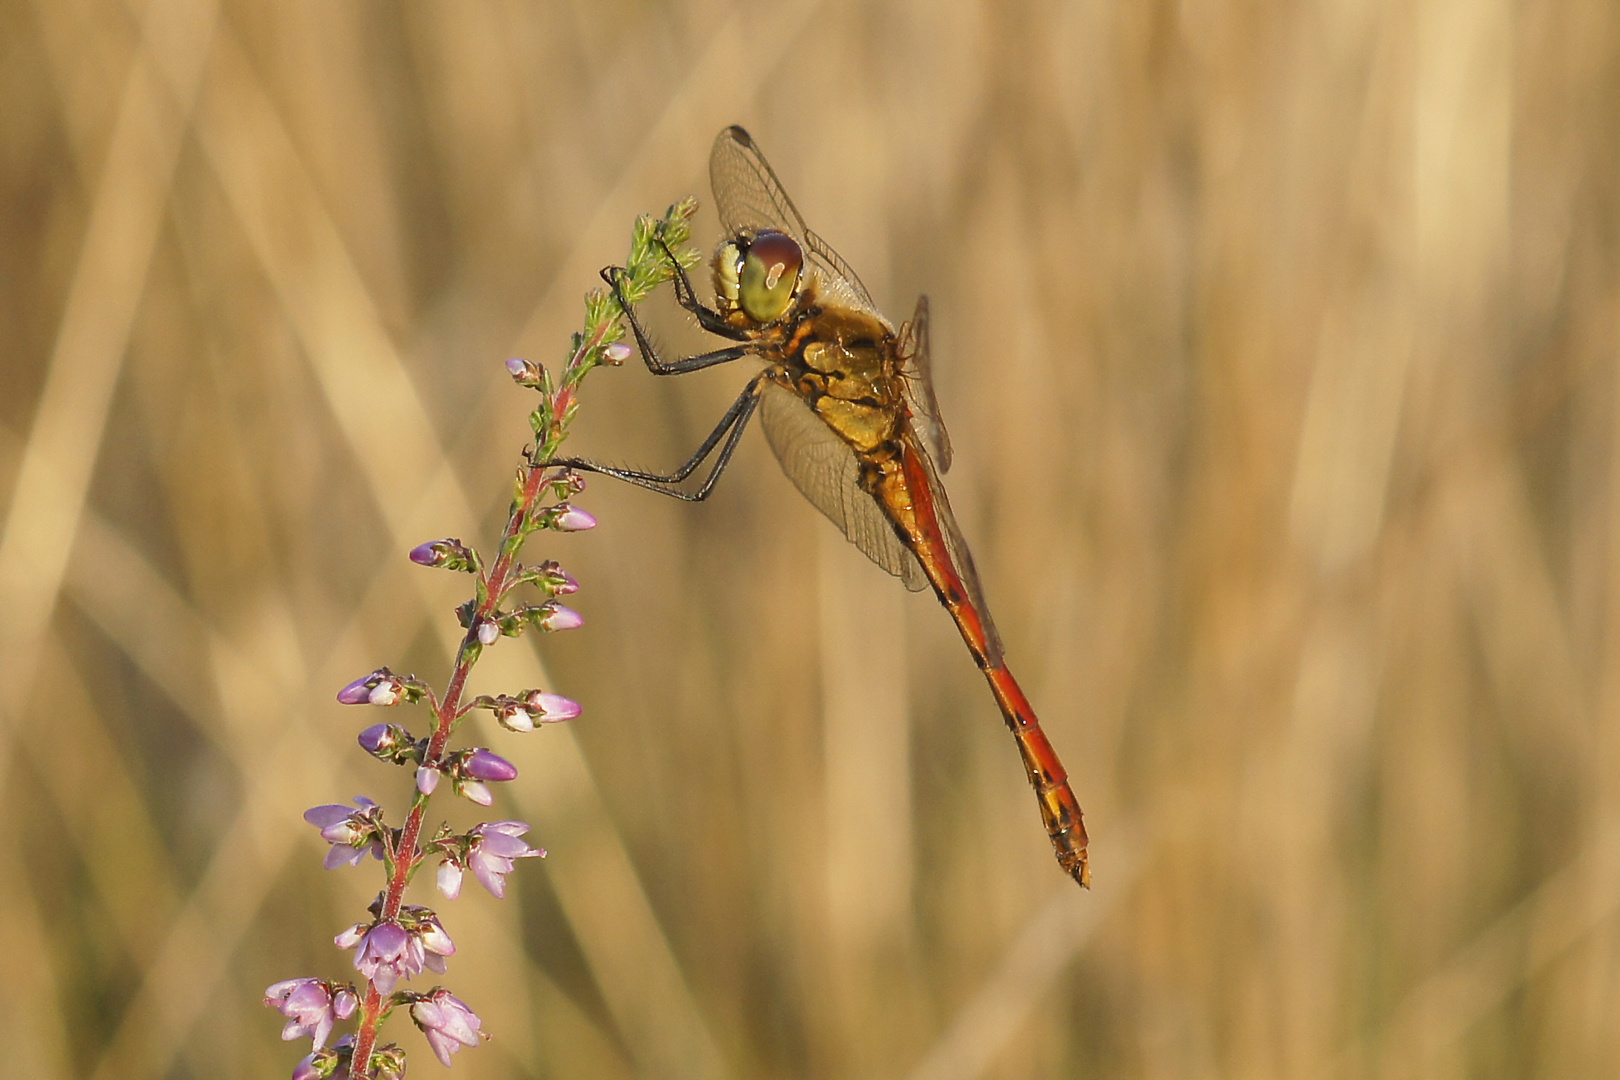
column 824, row 468
column 917, row 383
column 749, row 196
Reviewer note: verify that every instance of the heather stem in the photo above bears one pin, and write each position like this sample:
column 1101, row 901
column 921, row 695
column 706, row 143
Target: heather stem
column 648, row 267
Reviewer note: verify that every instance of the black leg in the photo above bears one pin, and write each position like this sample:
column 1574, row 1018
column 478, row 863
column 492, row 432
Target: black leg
column 707, row 317
column 730, row 429
column 649, row 352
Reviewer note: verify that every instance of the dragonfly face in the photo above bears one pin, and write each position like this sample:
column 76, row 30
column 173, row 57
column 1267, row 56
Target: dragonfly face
column 848, row 407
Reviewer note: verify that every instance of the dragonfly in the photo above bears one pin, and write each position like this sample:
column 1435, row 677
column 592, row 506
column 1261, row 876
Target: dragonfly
column 847, row 404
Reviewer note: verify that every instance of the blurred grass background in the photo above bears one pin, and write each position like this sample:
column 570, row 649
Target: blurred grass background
column 1277, row 341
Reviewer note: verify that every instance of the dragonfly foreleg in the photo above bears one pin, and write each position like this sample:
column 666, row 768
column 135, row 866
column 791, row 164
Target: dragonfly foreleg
column 725, row 435
column 686, row 296
column 649, row 352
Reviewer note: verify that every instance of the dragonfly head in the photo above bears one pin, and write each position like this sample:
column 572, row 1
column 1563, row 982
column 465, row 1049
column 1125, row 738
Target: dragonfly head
column 758, row 274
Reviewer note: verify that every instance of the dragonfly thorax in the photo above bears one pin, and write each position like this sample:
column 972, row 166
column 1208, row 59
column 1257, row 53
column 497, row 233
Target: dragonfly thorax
column 757, row 275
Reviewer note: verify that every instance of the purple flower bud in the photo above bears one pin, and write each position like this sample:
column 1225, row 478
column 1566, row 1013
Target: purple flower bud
column 475, row 791
column 427, row 778
column 494, row 846
column 551, row 708
column 381, row 687
column 447, row 1022
column 310, row 1007
column 310, row 1069
column 557, row 617
column 357, row 692
column 489, row 632
column 566, row 517
column 429, row 554
column 483, row 765
column 616, row 353
column 514, row 718
column 375, row 739
column 449, row 879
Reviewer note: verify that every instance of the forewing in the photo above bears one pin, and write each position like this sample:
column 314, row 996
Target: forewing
column 824, row 468
column 917, row 383
column 749, row 196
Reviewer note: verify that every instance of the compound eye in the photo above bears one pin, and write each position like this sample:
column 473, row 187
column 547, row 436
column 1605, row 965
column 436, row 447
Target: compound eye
column 770, row 276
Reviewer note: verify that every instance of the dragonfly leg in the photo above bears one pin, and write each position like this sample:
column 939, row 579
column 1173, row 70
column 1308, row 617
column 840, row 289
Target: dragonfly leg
column 649, row 352
column 726, row 435
column 707, row 317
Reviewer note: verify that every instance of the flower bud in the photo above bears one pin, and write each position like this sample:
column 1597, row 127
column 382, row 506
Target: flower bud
column 514, row 717
column 356, row 693
column 554, row 616
column 483, row 765
column 427, row 779
column 551, row 708
column 616, row 353
column 524, row 372
column 489, row 632
column 566, row 517
column 449, row 879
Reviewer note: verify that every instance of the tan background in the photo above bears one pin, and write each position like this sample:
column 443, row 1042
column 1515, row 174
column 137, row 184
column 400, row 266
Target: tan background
column 1277, row 342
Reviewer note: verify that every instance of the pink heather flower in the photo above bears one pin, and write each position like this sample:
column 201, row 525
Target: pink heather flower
column 489, row 632
column 352, row 833
column 566, row 517
column 430, row 932
column 494, row 846
column 475, row 792
column 557, row 617
column 449, row 879
column 616, row 353
column 427, row 778
column 447, row 1022
column 551, row 708
column 386, row 953
column 483, row 765
column 311, row 1006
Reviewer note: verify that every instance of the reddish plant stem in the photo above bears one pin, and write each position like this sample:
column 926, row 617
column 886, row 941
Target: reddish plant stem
column 449, row 706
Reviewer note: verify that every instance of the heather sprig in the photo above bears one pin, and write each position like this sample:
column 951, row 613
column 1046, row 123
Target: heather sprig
column 400, row 941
